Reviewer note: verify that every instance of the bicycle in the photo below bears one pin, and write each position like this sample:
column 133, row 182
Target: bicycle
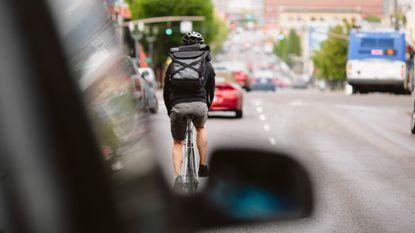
column 189, row 166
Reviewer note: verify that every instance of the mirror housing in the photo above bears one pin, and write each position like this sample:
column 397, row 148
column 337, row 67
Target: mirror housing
column 145, row 73
column 146, row 76
column 251, row 186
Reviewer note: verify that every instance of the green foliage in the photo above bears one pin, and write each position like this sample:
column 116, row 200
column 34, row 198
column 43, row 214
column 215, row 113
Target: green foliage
column 330, row 61
column 288, row 47
column 221, row 35
column 373, row 19
column 210, row 28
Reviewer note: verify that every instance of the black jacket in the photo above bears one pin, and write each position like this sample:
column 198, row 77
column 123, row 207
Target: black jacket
column 173, row 97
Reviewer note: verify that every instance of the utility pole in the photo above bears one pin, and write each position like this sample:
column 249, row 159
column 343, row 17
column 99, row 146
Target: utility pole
column 395, row 12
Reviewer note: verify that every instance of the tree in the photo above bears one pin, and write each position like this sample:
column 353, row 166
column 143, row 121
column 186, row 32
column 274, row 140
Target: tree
column 373, row 19
column 212, row 28
column 331, row 59
column 288, row 47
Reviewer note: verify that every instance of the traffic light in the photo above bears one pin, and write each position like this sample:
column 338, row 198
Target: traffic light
column 168, row 31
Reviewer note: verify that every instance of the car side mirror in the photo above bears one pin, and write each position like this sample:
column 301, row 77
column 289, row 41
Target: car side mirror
column 146, row 77
column 249, row 186
column 145, row 73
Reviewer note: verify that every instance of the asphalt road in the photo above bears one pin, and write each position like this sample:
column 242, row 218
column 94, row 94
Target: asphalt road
column 358, row 150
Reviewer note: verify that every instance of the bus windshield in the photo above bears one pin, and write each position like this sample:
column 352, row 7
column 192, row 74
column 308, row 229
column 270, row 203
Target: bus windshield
column 376, row 45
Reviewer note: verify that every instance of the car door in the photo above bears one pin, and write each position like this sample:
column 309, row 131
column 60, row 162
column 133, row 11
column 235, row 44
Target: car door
column 47, row 130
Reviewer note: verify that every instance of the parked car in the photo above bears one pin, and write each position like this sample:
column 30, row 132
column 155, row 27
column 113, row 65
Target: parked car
column 228, row 97
column 149, row 76
column 144, row 80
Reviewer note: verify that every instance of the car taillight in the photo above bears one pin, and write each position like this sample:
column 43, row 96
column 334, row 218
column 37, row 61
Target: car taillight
column 402, row 71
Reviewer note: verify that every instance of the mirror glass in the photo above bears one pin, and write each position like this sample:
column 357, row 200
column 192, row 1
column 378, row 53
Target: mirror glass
column 248, row 185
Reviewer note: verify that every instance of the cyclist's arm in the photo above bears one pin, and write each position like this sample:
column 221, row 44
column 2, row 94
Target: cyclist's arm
column 210, row 84
column 166, row 90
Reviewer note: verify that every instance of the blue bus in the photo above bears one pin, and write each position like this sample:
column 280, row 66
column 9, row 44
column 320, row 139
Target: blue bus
column 377, row 62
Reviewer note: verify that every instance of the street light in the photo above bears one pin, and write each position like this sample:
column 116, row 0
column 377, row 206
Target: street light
column 151, row 36
column 137, row 34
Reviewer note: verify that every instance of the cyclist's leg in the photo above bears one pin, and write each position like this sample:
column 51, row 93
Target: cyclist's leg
column 202, row 142
column 201, row 111
column 177, row 156
column 178, row 131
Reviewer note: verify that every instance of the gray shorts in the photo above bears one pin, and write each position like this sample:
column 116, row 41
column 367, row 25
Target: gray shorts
column 177, row 117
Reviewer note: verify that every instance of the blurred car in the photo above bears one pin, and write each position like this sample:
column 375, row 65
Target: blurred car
column 149, row 76
column 263, row 84
column 299, row 83
column 281, row 82
column 243, row 79
column 239, row 71
column 263, row 81
column 144, row 81
column 228, row 97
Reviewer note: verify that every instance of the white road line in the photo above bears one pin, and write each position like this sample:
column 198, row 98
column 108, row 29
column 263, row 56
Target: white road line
column 272, row 141
column 356, row 107
column 262, row 117
column 298, row 103
column 266, row 127
column 259, row 109
column 257, row 103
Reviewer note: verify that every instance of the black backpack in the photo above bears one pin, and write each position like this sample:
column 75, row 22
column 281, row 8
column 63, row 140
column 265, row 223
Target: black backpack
column 188, row 67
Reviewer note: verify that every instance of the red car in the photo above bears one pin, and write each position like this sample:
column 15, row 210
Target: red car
column 242, row 79
column 228, row 97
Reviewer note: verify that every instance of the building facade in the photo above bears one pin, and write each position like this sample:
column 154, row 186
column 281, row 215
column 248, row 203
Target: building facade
column 293, row 17
column 272, row 8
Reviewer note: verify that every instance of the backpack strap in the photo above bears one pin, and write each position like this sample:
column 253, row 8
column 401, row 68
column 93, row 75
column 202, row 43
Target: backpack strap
column 201, row 60
column 184, row 66
column 202, row 67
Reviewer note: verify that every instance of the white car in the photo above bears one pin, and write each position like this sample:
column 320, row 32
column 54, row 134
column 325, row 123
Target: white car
column 149, row 75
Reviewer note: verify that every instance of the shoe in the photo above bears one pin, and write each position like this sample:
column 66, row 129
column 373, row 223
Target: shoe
column 203, row 171
column 178, row 184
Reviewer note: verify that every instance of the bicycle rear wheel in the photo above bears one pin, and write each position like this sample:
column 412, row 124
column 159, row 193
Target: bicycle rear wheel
column 192, row 183
column 189, row 163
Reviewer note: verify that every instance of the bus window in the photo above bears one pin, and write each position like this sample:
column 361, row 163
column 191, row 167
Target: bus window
column 386, row 43
column 368, row 43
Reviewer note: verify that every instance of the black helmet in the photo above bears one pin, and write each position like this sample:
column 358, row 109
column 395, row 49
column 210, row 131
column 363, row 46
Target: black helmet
column 193, row 38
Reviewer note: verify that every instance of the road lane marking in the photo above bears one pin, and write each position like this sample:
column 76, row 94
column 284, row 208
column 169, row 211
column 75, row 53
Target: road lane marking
column 272, row 141
column 257, row 103
column 262, row 117
column 266, row 127
column 298, row 103
column 356, row 107
column 259, row 109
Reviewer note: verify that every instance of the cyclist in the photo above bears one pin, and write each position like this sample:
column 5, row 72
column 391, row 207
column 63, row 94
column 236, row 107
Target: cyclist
column 189, row 90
